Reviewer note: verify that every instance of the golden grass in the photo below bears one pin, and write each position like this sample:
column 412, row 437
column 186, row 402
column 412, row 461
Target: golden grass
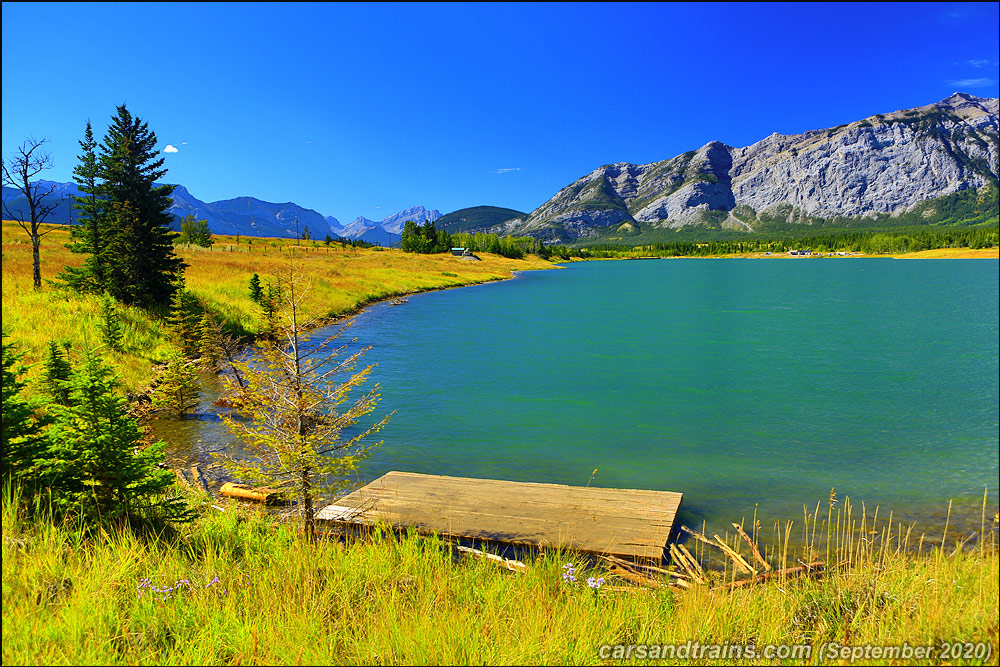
column 939, row 253
column 343, row 280
column 953, row 253
column 257, row 593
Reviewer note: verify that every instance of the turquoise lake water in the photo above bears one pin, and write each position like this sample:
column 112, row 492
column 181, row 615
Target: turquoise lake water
column 740, row 383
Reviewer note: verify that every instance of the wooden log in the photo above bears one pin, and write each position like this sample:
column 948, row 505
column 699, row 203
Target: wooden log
column 678, row 559
column 698, row 574
column 698, row 536
column 244, row 492
column 635, row 568
column 695, row 565
column 686, row 561
column 720, row 544
column 634, row 577
column 199, row 480
column 753, row 547
column 736, row 558
column 630, row 565
column 810, row 569
column 506, row 563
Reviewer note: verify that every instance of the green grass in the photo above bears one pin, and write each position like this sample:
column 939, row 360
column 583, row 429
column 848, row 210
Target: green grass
column 71, row 598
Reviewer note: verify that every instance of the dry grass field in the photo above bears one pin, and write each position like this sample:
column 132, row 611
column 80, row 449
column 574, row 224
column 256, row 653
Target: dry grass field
column 342, row 280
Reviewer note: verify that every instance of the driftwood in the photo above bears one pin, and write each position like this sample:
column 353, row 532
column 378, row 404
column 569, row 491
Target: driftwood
column 698, row 536
column 636, row 578
column 500, row 561
column 753, row 548
column 814, row 568
column 683, row 558
column 630, row 572
column 736, row 558
column 199, row 480
column 636, row 566
column 718, row 543
column 244, row 492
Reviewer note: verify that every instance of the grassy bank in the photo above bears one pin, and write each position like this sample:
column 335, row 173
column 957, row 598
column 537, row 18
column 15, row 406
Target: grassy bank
column 938, row 253
column 343, row 280
column 240, row 587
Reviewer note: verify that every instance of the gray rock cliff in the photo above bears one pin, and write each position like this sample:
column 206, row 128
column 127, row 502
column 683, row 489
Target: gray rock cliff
column 883, row 164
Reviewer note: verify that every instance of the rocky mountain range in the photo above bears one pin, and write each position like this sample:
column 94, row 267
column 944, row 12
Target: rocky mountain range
column 247, row 216
column 387, row 231
column 886, row 163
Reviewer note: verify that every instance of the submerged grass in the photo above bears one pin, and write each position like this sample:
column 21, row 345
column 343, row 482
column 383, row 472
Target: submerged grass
column 240, row 586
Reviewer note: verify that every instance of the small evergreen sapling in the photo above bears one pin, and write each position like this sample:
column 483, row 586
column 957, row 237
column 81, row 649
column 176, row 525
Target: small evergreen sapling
column 208, row 341
column 256, row 291
column 178, row 389
column 185, row 320
column 99, row 460
column 110, row 326
column 56, row 373
column 21, row 438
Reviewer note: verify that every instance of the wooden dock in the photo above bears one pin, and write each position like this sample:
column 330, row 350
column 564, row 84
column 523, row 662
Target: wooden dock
column 628, row 523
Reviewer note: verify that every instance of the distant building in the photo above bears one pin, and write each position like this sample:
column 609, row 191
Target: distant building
column 458, row 251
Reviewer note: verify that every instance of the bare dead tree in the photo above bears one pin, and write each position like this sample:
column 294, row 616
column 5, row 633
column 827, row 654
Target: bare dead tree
column 18, row 171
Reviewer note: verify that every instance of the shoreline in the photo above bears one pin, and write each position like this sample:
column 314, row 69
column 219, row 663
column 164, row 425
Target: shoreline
column 318, row 322
column 937, row 253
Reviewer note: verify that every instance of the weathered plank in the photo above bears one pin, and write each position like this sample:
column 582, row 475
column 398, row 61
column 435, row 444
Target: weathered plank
column 633, row 523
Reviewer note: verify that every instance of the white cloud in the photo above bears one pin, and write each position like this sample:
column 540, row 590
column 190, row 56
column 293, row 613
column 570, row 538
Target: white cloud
column 957, row 15
column 505, row 170
column 977, row 63
column 170, row 149
column 972, row 83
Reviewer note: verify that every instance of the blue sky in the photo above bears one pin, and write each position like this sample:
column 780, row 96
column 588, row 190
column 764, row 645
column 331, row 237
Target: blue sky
column 367, row 109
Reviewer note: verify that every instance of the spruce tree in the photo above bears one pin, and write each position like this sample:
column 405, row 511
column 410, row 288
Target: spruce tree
column 256, row 291
column 100, row 461
column 21, row 437
column 208, row 341
column 57, row 372
column 301, row 406
column 141, row 265
column 185, row 320
column 88, row 233
column 178, row 389
column 110, row 326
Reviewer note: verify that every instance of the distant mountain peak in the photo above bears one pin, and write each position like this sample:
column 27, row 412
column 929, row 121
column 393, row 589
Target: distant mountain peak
column 884, row 164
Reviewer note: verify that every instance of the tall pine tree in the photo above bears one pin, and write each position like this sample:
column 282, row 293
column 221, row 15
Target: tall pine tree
column 124, row 217
column 142, row 266
column 88, row 233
